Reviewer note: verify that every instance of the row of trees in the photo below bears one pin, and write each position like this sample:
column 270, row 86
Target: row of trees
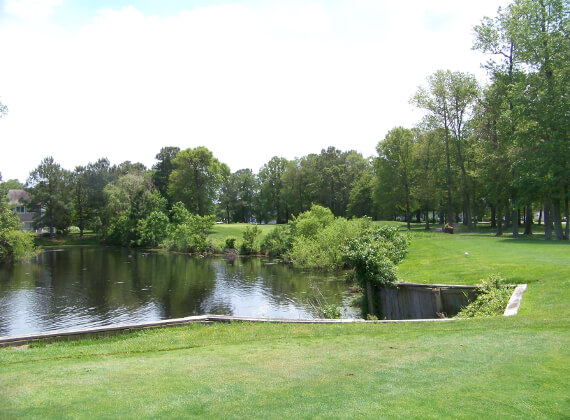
column 503, row 149
column 112, row 199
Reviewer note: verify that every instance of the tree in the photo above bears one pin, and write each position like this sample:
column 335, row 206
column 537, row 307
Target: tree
column 50, row 195
column 396, row 167
column 196, row 179
column 271, row 189
column 128, row 200
column 163, row 168
column 14, row 243
column 535, row 32
column 428, row 154
column 360, row 202
column 449, row 99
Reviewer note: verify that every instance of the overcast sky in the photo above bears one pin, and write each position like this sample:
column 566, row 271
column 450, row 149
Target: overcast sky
column 250, row 80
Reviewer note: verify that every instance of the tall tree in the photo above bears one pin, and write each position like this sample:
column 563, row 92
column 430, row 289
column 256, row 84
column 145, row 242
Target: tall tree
column 196, row 179
column 395, row 158
column 48, row 185
column 163, row 168
column 448, row 99
column 428, row 155
column 538, row 32
column 271, row 189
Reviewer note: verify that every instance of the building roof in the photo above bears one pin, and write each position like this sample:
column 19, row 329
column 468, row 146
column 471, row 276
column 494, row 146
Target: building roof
column 17, row 197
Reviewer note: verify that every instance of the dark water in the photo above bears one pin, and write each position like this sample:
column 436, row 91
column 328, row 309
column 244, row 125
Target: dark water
column 91, row 286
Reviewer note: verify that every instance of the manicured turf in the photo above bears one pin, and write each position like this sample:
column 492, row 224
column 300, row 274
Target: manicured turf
column 221, row 231
column 517, row 367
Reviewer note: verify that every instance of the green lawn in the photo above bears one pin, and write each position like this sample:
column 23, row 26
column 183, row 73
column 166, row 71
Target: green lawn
column 517, row 367
column 221, row 231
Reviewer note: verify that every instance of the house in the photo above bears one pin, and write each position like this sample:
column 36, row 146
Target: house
column 19, row 199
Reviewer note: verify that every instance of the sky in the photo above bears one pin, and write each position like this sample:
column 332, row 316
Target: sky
column 86, row 79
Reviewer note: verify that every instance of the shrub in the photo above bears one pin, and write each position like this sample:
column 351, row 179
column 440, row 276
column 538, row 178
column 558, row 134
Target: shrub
column 278, row 241
column 492, row 300
column 230, row 242
column 374, row 257
column 309, row 223
column 153, row 230
column 189, row 232
column 249, row 244
column 323, row 249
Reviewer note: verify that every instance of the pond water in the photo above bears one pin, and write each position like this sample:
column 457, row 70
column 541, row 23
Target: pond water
column 80, row 287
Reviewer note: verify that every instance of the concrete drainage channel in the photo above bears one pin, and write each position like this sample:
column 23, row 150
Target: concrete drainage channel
column 110, row 330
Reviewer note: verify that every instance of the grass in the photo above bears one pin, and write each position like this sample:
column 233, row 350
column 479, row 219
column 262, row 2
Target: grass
column 515, row 367
column 221, row 231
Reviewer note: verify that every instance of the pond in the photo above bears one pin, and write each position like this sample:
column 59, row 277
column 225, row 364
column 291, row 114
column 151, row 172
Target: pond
column 79, row 287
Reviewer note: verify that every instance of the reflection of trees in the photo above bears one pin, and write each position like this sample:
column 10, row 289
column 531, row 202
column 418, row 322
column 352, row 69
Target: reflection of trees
column 96, row 284
column 280, row 282
column 180, row 283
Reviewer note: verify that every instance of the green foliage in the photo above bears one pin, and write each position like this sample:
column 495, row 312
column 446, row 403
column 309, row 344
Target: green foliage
column 230, row 242
column 153, row 230
column 492, row 300
column 277, row 242
column 322, row 248
column 374, row 257
column 250, row 243
column 188, row 232
column 309, row 223
column 14, row 243
column 330, row 312
column 195, row 179
column 48, row 184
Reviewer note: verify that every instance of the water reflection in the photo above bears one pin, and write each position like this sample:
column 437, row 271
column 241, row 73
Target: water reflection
column 91, row 286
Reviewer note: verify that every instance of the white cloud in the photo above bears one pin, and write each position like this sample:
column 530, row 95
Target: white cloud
column 247, row 82
column 32, row 11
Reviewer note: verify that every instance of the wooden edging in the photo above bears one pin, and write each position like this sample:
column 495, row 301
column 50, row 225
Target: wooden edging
column 108, row 330
column 515, row 301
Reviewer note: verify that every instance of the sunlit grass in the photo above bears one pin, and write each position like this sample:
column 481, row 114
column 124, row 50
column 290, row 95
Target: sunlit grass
column 503, row 367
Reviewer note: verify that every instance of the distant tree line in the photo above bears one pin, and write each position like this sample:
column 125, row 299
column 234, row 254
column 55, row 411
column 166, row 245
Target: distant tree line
column 498, row 152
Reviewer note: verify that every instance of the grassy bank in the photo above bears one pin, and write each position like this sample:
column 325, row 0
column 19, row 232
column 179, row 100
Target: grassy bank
column 497, row 368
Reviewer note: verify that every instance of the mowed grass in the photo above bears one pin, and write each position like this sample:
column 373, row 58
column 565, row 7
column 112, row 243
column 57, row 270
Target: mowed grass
column 515, row 367
column 221, row 231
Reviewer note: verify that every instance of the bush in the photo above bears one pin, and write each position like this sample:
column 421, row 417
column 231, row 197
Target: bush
column 277, row 242
column 249, row 244
column 188, row 232
column 153, row 230
column 323, row 249
column 309, row 223
column 492, row 300
column 374, row 257
column 230, row 242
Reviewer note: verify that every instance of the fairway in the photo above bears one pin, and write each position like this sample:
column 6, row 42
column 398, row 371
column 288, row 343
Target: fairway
column 516, row 367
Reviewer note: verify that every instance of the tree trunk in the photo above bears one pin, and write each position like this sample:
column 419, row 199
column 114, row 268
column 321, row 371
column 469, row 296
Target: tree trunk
column 499, row 221
column 507, row 215
column 547, row 220
column 557, row 219
column 493, row 217
column 448, row 164
column 540, row 217
column 515, row 218
column 427, row 219
column 567, row 230
column 528, row 220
